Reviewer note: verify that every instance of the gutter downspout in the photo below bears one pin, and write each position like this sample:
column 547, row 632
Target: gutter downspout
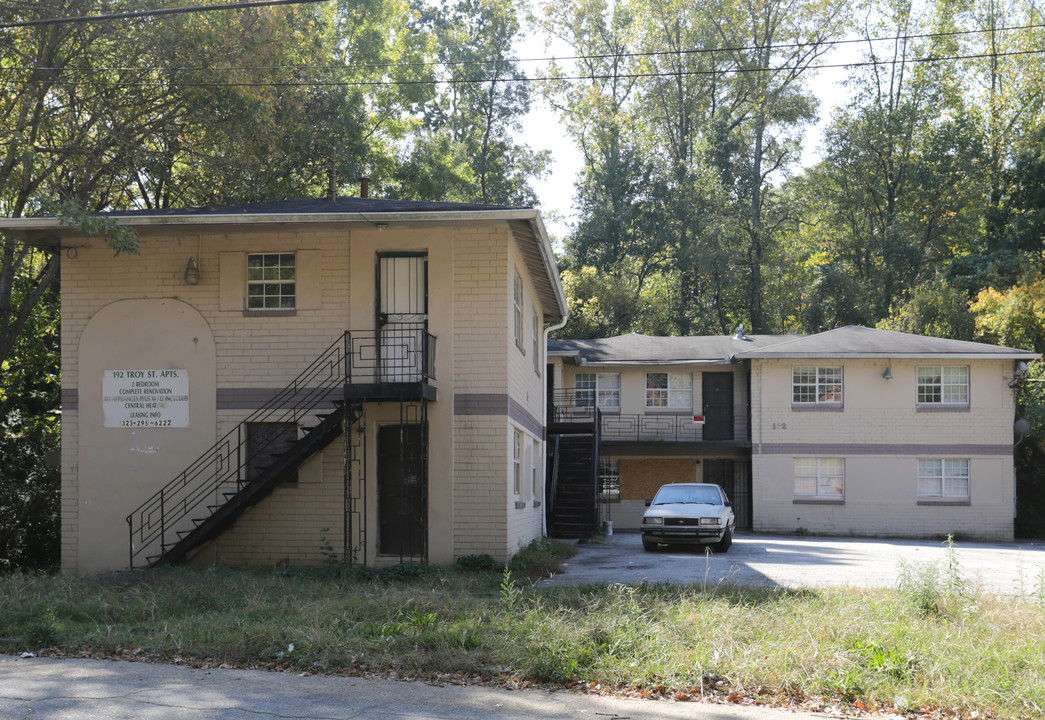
column 544, row 415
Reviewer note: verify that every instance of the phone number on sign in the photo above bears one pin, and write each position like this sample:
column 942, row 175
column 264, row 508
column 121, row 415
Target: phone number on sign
column 145, row 423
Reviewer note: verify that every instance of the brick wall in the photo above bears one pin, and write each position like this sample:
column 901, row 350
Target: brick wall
column 880, row 433
column 469, row 312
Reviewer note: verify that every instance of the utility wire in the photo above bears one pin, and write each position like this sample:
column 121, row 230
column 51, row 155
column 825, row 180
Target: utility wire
column 572, row 58
column 524, row 79
column 153, row 13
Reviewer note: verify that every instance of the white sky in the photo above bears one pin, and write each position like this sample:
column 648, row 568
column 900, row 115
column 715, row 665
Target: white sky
column 543, row 131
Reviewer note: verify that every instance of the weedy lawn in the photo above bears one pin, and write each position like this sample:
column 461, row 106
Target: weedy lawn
column 932, row 644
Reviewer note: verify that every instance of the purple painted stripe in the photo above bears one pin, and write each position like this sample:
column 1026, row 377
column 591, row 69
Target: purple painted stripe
column 497, row 404
column 254, row 398
column 480, row 404
column 933, row 449
column 70, row 399
column 523, row 417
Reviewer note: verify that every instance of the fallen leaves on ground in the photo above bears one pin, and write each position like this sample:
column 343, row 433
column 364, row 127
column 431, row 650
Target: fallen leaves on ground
column 721, row 692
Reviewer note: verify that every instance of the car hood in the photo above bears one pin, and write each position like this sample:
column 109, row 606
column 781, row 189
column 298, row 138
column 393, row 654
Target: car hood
column 684, row 510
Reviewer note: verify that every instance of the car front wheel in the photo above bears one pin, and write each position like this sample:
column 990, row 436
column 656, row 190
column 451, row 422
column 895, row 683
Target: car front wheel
column 727, row 539
column 649, row 545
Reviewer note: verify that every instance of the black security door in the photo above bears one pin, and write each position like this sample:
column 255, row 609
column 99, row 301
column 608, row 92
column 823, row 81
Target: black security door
column 402, row 315
column 733, row 477
column 401, row 491
column 718, row 406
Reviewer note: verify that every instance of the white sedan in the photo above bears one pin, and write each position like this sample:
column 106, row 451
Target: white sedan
column 689, row 514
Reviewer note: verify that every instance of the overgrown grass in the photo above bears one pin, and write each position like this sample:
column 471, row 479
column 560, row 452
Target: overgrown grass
column 882, row 648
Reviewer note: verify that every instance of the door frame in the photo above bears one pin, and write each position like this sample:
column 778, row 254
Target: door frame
column 422, row 500
column 380, row 324
column 730, row 428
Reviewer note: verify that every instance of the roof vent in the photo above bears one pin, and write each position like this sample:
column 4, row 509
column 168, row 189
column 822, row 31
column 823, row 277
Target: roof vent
column 332, row 183
column 738, row 334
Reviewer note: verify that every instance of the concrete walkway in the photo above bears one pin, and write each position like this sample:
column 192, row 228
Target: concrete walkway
column 48, row 689
column 803, row 562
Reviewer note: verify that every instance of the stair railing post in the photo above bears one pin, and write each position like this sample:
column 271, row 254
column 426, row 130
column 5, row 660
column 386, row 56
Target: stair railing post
column 347, row 351
column 597, row 416
column 163, row 524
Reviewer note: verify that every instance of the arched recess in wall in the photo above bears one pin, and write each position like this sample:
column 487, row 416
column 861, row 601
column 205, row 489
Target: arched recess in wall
column 120, row 467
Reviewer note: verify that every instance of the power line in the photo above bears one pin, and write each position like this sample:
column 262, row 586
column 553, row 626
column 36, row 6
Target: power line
column 572, row 58
column 154, row 13
column 789, row 46
column 482, row 81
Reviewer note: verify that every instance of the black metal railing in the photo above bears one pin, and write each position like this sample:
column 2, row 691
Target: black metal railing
column 571, row 406
column 650, row 428
column 401, row 352
column 225, row 469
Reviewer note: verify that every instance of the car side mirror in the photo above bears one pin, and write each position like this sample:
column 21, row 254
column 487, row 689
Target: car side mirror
column 648, row 503
column 729, row 504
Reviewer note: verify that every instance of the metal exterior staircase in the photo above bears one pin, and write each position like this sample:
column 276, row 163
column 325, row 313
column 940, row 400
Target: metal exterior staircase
column 573, row 492
column 283, row 467
column 574, row 512
column 321, row 404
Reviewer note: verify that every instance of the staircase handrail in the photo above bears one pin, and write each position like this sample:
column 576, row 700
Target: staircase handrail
column 568, row 405
column 595, row 466
column 223, row 463
column 317, row 387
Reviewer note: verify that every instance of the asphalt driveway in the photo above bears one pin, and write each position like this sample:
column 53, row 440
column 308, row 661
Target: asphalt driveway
column 793, row 562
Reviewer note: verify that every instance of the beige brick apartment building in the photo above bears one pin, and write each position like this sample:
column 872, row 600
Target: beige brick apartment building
column 273, row 383
column 853, row 430
column 367, row 381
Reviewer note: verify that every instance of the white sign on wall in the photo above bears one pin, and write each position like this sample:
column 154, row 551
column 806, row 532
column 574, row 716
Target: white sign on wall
column 146, row 398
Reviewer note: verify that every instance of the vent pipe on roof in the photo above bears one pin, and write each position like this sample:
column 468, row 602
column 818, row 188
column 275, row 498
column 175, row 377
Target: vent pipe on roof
column 364, row 187
column 332, row 175
column 738, row 334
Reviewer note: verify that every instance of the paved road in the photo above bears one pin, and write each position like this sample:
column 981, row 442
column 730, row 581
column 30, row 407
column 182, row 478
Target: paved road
column 775, row 561
column 47, row 689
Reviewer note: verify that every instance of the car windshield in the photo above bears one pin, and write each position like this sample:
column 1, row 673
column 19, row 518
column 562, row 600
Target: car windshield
column 684, row 495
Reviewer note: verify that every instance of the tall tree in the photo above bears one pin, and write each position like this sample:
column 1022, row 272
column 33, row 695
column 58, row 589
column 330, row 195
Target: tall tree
column 620, row 230
column 897, row 193
column 773, row 46
column 471, row 123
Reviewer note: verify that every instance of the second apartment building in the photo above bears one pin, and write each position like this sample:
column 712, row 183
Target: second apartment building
column 850, row 431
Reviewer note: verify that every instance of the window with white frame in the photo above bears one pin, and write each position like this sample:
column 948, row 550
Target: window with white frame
column 517, row 463
column 518, row 299
column 271, row 281
column 820, row 477
column 536, row 470
column 812, row 385
column 669, row 390
column 536, row 344
column 943, row 385
column 609, row 478
column 945, row 478
column 601, row 388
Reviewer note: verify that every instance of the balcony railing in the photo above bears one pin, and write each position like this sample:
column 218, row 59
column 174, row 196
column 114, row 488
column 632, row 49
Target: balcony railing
column 572, row 406
column 401, row 353
column 650, row 428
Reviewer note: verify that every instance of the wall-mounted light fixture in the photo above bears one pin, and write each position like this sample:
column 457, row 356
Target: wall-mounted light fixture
column 192, row 273
column 888, row 374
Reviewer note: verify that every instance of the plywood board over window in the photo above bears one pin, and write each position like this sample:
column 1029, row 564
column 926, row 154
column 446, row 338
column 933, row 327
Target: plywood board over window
column 640, row 478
